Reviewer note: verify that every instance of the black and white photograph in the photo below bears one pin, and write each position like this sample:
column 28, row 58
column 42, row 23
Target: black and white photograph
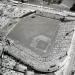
column 37, row 37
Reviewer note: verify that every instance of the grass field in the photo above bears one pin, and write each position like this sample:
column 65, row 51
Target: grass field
column 40, row 32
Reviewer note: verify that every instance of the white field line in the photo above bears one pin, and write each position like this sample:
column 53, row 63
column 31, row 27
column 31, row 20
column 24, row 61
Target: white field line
column 11, row 28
